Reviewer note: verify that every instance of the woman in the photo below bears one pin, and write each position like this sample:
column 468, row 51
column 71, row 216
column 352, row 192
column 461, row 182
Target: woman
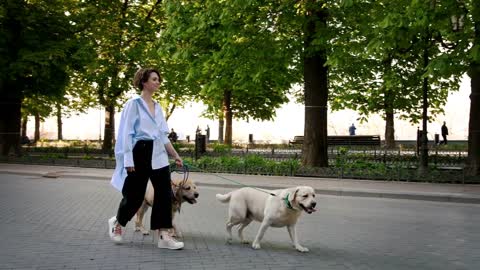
column 141, row 154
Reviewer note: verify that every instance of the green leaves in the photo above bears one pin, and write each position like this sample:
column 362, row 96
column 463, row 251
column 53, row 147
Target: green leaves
column 236, row 46
column 475, row 53
column 91, row 49
column 377, row 66
column 37, row 43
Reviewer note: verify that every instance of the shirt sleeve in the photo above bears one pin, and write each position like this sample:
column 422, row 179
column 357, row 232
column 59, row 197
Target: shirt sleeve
column 129, row 116
column 163, row 128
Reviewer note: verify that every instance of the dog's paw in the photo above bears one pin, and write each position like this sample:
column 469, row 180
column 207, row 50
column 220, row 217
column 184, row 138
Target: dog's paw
column 229, row 241
column 301, row 249
column 142, row 229
column 243, row 241
column 256, row 246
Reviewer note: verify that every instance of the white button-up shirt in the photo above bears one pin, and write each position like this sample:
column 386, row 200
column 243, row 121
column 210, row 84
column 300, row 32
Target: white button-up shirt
column 137, row 123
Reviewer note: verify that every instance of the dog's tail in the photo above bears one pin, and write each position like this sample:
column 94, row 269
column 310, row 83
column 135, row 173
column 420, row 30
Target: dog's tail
column 224, row 198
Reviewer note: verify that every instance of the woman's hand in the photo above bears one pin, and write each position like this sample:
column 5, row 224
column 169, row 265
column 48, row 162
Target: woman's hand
column 130, row 169
column 171, row 151
column 179, row 161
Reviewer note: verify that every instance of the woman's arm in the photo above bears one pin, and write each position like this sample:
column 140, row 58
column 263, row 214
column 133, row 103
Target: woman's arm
column 173, row 153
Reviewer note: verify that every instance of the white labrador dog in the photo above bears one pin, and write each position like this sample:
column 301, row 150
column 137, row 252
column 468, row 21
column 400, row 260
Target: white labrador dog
column 283, row 209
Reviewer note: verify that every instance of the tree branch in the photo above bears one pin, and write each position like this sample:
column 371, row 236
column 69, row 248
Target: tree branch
column 149, row 15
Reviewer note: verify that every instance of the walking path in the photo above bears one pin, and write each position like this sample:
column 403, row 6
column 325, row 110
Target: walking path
column 460, row 193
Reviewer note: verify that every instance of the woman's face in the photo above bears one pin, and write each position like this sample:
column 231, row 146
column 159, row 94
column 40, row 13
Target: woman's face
column 153, row 83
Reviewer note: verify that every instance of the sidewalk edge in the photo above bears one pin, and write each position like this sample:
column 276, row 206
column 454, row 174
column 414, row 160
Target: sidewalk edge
column 332, row 192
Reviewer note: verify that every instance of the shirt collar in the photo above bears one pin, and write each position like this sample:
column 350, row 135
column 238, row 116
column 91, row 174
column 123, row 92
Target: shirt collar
column 144, row 105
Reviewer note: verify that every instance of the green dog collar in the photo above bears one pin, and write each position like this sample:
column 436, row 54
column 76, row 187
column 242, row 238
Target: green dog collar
column 287, row 202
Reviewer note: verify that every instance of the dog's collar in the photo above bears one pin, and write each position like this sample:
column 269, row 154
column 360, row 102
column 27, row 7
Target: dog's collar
column 287, row 202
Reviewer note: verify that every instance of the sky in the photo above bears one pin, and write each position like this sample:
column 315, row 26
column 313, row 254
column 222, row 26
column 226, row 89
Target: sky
column 289, row 122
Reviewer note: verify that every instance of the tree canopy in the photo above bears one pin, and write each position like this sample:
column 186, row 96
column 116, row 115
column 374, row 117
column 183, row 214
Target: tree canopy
column 236, row 47
column 37, row 45
column 241, row 58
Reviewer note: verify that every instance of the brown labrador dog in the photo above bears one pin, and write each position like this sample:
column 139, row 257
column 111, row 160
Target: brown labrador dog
column 183, row 191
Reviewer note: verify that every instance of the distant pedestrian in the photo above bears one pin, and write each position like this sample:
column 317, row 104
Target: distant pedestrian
column 207, row 132
column 444, row 133
column 198, row 131
column 173, row 136
column 352, row 129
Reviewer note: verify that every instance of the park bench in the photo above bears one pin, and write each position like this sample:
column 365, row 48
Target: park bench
column 356, row 140
column 296, row 140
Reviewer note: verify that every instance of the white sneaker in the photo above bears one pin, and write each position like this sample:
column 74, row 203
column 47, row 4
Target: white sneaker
column 114, row 230
column 167, row 241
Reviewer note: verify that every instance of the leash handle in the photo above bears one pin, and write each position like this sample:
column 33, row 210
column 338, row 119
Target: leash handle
column 184, row 170
column 186, row 173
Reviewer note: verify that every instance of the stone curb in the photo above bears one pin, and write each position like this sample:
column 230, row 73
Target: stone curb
column 435, row 197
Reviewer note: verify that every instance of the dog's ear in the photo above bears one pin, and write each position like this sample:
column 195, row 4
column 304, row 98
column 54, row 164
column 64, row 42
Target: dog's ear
column 292, row 194
column 174, row 187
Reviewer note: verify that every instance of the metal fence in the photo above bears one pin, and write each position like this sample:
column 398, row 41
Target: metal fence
column 407, row 158
column 356, row 162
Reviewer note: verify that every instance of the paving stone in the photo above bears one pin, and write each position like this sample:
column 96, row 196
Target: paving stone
column 59, row 223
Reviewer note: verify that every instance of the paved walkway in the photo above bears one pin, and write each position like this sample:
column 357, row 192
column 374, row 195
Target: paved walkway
column 56, row 218
column 341, row 187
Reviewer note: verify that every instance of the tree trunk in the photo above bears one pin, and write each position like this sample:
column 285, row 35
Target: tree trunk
column 423, row 166
column 227, row 108
column 389, row 130
column 59, row 122
column 424, row 143
column 11, row 95
column 10, row 109
column 316, row 92
column 24, row 126
column 36, row 136
column 473, row 161
column 389, row 111
column 109, row 128
column 472, row 169
column 169, row 111
column 221, row 126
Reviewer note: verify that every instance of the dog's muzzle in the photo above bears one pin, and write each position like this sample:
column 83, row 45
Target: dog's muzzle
column 191, row 200
column 310, row 209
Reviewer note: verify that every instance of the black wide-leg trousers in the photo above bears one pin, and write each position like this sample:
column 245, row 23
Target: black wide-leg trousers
column 136, row 184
